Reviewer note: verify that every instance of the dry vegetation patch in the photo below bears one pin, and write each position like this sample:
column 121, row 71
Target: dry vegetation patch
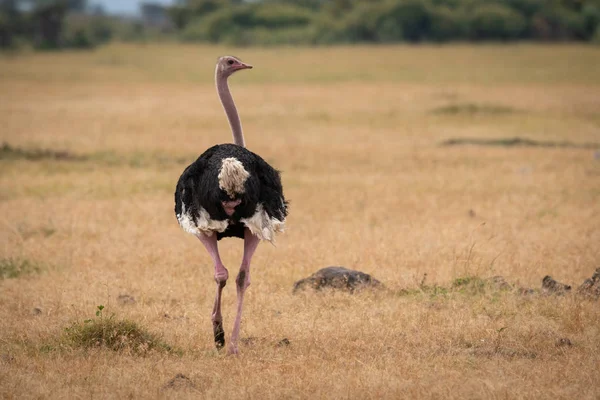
column 113, row 334
column 93, row 144
column 469, row 108
column 15, row 267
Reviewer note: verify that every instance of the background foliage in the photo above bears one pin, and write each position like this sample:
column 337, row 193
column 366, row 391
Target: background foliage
column 51, row 24
column 378, row 21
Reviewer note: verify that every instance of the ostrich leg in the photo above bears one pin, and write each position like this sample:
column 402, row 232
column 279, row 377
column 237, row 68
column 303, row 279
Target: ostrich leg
column 242, row 282
column 221, row 275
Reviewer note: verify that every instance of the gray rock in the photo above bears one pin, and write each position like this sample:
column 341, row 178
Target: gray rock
column 7, row 358
column 337, row 278
column 550, row 286
column 563, row 342
column 591, row 287
column 499, row 283
column 525, row 291
column 124, row 299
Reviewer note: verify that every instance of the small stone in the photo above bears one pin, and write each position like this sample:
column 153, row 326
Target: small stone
column 525, row 291
column 36, row 311
column 563, row 342
column 591, row 287
column 551, row 286
column 499, row 283
column 248, row 341
column 7, row 358
column 124, row 299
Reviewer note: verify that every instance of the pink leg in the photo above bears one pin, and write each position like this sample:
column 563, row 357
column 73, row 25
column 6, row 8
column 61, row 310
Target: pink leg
column 242, row 282
column 221, row 275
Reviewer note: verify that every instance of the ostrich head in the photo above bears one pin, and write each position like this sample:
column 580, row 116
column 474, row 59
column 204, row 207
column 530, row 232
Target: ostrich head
column 227, row 65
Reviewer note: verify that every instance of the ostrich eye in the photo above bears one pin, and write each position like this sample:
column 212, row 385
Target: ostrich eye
column 230, row 62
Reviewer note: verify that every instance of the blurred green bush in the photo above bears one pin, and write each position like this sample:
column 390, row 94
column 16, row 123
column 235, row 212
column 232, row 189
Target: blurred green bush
column 69, row 23
column 381, row 21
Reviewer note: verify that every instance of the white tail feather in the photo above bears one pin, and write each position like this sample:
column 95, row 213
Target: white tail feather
column 262, row 226
column 232, row 177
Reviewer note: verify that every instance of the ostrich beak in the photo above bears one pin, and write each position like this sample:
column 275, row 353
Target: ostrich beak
column 244, row 66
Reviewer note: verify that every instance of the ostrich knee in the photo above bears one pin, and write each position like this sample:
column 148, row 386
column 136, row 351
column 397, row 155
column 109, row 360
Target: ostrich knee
column 243, row 280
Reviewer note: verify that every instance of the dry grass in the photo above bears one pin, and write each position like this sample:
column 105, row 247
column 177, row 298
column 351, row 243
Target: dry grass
column 356, row 131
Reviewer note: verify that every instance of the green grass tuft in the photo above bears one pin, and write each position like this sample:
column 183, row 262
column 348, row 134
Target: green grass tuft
column 518, row 142
column 139, row 159
column 14, row 268
column 108, row 157
column 471, row 109
column 116, row 335
column 8, row 152
column 467, row 285
column 470, row 285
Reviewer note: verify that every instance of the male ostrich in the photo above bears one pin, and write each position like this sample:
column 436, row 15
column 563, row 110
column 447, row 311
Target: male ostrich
column 230, row 192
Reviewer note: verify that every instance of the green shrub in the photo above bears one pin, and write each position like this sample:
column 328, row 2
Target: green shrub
column 448, row 24
column 361, row 24
column 251, row 24
column 413, row 16
column 264, row 36
column 7, row 33
column 591, row 17
column 11, row 268
column 86, row 31
column 527, row 8
column 223, row 25
column 596, row 36
column 280, row 16
column 351, row 21
column 389, row 30
column 496, row 21
column 116, row 335
column 329, row 31
column 558, row 23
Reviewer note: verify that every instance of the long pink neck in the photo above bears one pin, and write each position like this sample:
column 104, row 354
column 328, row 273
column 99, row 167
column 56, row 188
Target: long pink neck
column 230, row 110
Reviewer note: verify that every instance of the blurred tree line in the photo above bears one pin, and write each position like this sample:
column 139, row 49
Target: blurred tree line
column 55, row 24
column 380, row 21
column 74, row 23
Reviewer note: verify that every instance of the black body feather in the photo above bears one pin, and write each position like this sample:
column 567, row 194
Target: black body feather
column 198, row 187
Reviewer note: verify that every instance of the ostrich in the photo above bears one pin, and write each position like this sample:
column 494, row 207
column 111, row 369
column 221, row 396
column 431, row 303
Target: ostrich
column 230, row 192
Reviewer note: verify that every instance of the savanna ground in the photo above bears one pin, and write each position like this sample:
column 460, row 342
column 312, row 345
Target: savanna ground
column 356, row 132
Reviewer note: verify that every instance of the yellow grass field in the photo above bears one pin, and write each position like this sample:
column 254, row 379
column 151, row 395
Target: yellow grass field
column 94, row 143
